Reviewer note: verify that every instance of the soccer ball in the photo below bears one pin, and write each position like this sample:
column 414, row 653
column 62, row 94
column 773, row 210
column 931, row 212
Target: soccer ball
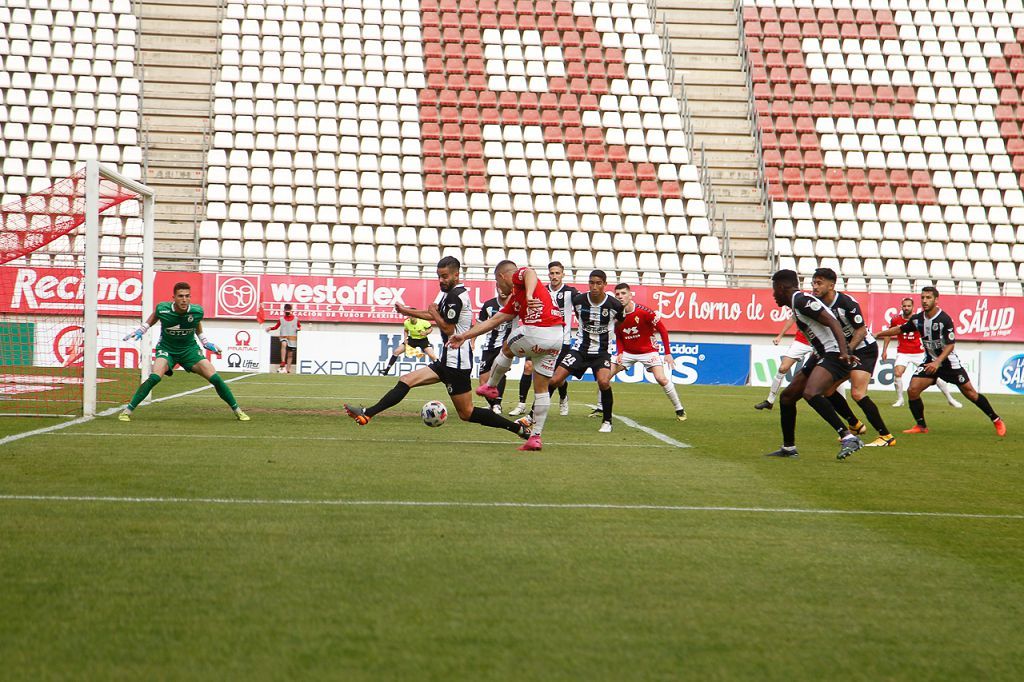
column 434, row 413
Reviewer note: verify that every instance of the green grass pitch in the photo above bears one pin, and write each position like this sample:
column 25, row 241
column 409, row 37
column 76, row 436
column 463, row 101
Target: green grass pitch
column 686, row 567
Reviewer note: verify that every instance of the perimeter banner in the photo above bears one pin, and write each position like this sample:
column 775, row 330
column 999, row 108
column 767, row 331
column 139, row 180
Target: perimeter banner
column 28, row 290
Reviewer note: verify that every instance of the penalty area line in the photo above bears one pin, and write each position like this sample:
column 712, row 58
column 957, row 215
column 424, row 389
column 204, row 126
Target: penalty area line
column 223, row 501
column 106, row 413
column 648, row 430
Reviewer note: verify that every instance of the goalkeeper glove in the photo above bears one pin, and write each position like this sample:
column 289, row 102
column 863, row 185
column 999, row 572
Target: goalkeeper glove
column 208, row 345
column 138, row 333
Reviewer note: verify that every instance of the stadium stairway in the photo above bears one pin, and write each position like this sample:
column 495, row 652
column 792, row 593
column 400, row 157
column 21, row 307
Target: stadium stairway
column 178, row 51
column 705, row 43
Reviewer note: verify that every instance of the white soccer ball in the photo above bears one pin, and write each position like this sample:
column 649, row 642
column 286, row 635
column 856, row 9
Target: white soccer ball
column 434, row 413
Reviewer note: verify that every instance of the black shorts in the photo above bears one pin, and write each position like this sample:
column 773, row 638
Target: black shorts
column 457, row 381
column 946, row 372
column 566, row 349
column 422, row 344
column 577, row 363
column 487, row 359
column 840, row 371
column 868, row 356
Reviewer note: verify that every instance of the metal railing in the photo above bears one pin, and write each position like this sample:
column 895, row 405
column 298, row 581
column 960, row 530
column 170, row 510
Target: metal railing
column 140, row 75
column 718, row 223
column 199, row 206
column 716, row 218
column 381, row 269
column 755, row 128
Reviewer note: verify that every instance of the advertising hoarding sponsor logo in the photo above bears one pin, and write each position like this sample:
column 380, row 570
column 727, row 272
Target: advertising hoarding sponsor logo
column 1012, row 373
column 63, row 345
column 48, row 290
column 237, row 295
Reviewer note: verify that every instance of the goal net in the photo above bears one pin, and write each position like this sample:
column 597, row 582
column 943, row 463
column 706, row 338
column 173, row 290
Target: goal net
column 76, row 274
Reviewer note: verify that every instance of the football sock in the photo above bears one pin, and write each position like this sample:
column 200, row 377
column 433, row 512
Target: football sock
column 670, row 391
column 223, row 391
column 787, row 412
column 842, row 408
column 873, row 415
column 525, row 382
column 823, row 406
column 143, row 390
column 606, row 404
column 563, row 391
column 390, row 399
column 944, row 387
column 495, row 421
column 498, row 369
column 541, row 403
column 986, row 407
column 776, row 385
column 897, row 383
column 917, row 409
column 392, row 361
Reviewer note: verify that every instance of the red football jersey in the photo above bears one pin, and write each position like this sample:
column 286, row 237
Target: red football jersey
column 634, row 334
column 800, row 338
column 909, row 342
column 545, row 316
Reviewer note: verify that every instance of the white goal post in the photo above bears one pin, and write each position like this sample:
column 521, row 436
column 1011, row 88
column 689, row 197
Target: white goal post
column 94, row 172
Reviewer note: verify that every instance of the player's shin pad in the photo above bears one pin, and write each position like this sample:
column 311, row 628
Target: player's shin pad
column 223, row 391
column 606, row 404
column 143, row 390
column 985, row 406
column 541, row 405
column 842, row 408
column 787, row 415
column 873, row 415
column 917, row 409
column 495, row 421
column 525, row 382
column 824, row 408
column 670, row 391
column 390, row 399
column 499, row 369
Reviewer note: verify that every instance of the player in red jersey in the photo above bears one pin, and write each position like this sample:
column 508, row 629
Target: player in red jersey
column 634, row 343
column 909, row 351
column 797, row 351
column 538, row 337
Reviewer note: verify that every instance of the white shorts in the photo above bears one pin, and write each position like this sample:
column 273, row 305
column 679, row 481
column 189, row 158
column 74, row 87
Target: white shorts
column 648, row 360
column 539, row 344
column 907, row 359
column 797, row 350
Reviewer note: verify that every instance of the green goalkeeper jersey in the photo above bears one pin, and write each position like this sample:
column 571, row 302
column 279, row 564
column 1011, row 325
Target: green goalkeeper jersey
column 178, row 330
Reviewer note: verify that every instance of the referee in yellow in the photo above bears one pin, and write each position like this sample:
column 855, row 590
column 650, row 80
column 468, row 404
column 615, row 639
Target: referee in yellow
column 415, row 342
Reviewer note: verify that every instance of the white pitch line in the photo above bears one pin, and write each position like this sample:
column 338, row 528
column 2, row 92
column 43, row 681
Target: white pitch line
column 105, row 413
column 203, row 436
column 648, row 430
column 503, row 505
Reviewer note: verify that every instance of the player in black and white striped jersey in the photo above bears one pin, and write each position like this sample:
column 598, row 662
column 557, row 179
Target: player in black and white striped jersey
column 862, row 346
column 827, row 366
column 597, row 312
column 491, row 345
column 938, row 337
column 451, row 313
column 562, row 295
